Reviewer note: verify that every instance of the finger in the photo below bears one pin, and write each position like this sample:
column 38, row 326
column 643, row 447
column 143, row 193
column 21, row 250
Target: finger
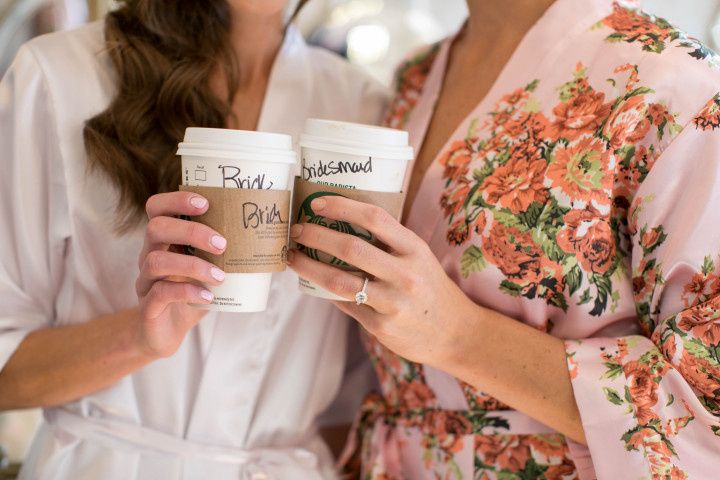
column 160, row 264
column 370, row 217
column 176, row 203
column 161, row 232
column 368, row 318
column 165, row 293
column 351, row 249
column 339, row 282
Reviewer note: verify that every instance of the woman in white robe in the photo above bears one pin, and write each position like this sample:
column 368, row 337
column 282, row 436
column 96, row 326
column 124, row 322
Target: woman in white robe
column 242, row 395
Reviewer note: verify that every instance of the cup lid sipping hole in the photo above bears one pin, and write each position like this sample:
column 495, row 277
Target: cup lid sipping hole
column 356, row 138
column 228, row 143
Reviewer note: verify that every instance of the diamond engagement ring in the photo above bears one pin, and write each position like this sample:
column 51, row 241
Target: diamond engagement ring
column 361, row 297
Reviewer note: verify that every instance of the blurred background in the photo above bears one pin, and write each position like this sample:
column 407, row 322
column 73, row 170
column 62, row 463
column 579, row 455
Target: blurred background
column 375, row 34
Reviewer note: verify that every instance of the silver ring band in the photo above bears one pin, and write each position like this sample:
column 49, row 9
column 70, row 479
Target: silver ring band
column 361, row 297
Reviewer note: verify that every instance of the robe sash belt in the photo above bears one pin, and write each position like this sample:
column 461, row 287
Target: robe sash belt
column 256, row 464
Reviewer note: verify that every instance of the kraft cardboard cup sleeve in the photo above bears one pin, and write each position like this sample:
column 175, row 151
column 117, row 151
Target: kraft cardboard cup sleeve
column 245, row 176
column 351, row 156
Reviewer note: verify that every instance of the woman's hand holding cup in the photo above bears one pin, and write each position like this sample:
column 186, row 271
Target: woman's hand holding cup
column 170, row 281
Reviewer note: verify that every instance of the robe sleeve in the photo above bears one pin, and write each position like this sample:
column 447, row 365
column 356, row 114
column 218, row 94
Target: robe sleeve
column 34, row 221
column 650, row 404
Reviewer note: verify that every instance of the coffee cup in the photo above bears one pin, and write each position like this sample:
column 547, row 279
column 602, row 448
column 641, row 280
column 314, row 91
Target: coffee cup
column 350, row 156
column 237, row 159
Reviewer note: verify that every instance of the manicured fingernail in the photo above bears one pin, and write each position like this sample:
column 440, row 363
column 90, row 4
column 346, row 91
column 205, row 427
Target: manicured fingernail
column 296, row 230
column 318, row 204
column 198, row 202
column 218, row 242
column 290, row 257
column 217, row 274
column 207, row 295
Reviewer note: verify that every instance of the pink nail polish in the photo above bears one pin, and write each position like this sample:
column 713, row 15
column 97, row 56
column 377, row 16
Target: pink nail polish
column 217, row 274
column 198, row 202
column 218, row 242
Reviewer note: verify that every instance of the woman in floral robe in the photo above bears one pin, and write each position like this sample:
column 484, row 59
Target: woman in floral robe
column 581, row 197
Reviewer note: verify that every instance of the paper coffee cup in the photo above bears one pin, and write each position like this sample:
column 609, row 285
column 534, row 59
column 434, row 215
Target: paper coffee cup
column 355, row 156
column 225, row 158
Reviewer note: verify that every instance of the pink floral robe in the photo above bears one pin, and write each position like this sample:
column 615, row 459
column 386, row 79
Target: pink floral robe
column 582, row 197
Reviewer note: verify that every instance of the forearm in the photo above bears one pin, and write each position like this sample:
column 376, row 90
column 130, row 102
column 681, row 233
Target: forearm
column 57, row 365
column 520, row 366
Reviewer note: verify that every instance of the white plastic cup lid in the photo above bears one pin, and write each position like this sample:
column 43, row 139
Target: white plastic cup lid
column 356, row 138
column 239, row 144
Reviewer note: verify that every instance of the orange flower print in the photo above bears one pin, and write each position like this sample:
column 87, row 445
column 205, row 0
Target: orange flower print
column 507, row 103
column 709, row 116
column 645, row 280
column 584, row 113
column 651, row 238
column 702, row 322
column 580, row 171
column 522, row 261
column 452, row 200
column 587, row 235
column 562, row 471
column 456, row 160
column 627, row 21
column 448, row 429
column 703, row 285
column 415, row 394
column 658, row 113
column 700, row 287
column 481, row 400
column 411, row 77
column 512, row 99
column 504, row 452
column 633, row 26
column 516, row 185
column 549, row 446
column 458, row 232
column 513, row 259
column 628, row 123
column 669, row 345
column 572, row 366
column 701, row 374
column 481, row 222
column 643, row 390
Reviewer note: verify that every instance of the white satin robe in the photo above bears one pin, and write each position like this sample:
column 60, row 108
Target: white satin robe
column 242, row 396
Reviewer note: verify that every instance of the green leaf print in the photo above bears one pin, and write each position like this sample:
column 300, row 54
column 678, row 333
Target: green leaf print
column 480, row 174
column 532, row 85
column 558, row 300
column 613, row 370
column 573, row 279
column 531, row 216
column 640, row 91
column 548, row 245
column 697, row 349
column 612, row 395
column 532, row 471
column 510, row 288
column 708, row 265
column 585, row 297
column 508, row 219
column 615, row 37
column 604, row 287
column 472, row 260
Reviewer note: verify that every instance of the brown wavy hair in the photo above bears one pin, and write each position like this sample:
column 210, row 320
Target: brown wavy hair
column 164, row 54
